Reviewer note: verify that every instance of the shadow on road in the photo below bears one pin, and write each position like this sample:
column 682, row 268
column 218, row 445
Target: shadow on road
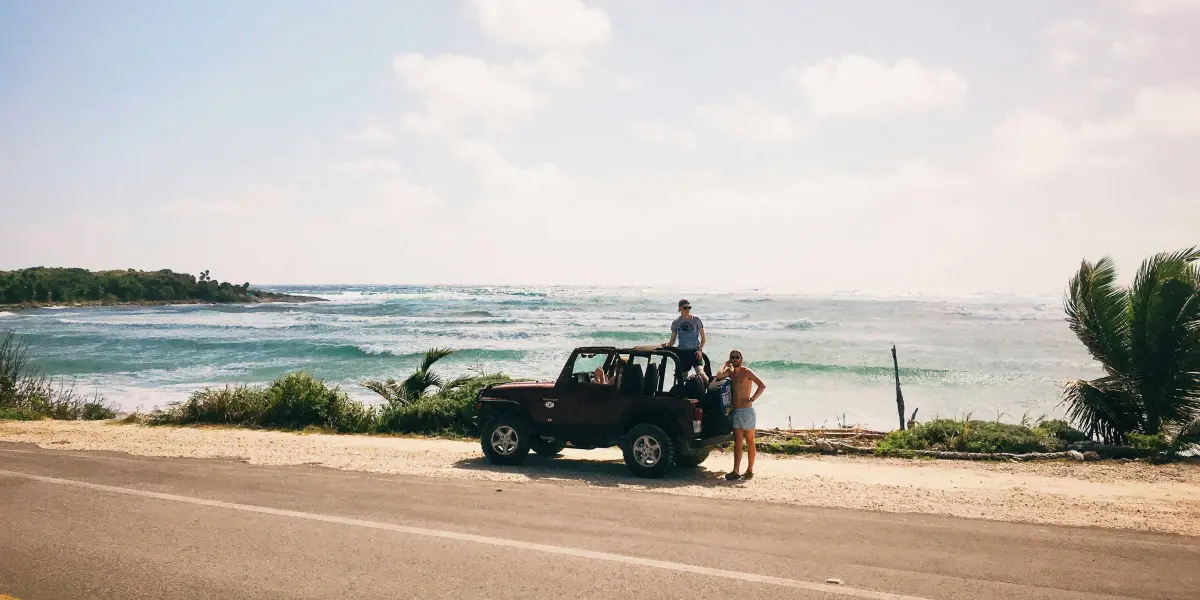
column 608, row 473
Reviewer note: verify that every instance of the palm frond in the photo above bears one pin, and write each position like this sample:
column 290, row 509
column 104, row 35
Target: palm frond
column 1188, row 436
column 1102, row 408
column 1148, row 281
column 418, row 383
column 385, row 389
column 1097, row 312
column 1174, row 351
column 456, row 383
column 432, row 356
column 1164, row 307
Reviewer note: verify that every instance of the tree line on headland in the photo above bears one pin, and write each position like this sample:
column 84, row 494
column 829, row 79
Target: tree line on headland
column 43, row 286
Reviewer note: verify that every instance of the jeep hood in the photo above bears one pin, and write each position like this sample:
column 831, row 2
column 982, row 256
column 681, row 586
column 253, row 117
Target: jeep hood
column 517, row 389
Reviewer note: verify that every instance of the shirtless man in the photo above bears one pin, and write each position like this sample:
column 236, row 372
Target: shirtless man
column 743, row 411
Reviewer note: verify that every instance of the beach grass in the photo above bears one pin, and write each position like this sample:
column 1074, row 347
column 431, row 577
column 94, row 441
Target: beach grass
column 26, row 393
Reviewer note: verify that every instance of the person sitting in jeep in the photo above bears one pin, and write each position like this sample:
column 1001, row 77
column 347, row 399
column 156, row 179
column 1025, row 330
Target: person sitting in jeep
column 613, row 376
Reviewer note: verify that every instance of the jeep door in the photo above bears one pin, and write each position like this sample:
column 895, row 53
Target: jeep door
column 582, row 399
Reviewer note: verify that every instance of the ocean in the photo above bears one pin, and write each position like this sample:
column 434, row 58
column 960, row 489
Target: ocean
column 826, row 359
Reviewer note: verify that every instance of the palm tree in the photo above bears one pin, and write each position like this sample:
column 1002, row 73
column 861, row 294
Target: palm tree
column 419, row 383
column 1147, row 339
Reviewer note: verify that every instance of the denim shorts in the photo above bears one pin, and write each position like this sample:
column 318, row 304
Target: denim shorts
column 743, row 418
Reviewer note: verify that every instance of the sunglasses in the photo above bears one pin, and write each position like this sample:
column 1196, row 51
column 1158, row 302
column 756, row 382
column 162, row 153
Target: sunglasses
column 735, row 357
column 685, row 308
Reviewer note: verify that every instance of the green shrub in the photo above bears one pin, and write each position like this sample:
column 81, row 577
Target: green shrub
column 1153, row 443
column 19, row 414
column 897, row 441
column 447, row 413
column 969, row 436
column 355, row 417
column 1058, row 428
column 299, row 400
column 433, row 415
column 294, row 401
column 240, row 405
column 25, row 390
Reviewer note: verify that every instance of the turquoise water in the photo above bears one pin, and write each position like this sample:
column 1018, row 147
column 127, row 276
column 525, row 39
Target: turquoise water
column 825, row 359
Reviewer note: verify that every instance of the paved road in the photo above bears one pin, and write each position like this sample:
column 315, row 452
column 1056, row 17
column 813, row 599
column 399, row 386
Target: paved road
column 98, row 525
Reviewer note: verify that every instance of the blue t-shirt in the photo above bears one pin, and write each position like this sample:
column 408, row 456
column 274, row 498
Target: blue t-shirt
column 688, row 331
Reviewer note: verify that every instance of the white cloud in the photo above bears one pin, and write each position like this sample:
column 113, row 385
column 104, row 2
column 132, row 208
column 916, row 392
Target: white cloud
column 394, row 201
column 460, row 91
column 369, row 166
column 463, row 89
column 664, row 135
column 1031, row 145
column 543, row 24
column 1134, row 46
column 1066, row 37
column 625, row 82
column 373, row 133
column 1171, row 111
column 748, row 121
column 858, row 86
column 1102, row 85
column 1161, row 7
column 254, row 201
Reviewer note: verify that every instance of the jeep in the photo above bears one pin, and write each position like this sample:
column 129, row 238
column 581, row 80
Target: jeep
column 648, row 407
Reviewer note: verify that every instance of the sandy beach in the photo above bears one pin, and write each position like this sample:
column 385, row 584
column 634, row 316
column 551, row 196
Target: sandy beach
column 1123, row 495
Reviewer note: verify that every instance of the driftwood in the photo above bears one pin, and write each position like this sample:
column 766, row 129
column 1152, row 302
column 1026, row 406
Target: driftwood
column 833, row 447
column 992, row 455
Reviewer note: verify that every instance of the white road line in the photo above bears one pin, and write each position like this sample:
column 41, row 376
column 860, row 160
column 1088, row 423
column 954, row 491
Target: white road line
column 479, row 539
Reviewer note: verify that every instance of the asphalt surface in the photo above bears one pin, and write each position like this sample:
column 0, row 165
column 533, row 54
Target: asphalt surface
column 99, row 525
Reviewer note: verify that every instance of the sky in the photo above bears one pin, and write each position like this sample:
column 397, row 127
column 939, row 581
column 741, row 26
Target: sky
column 948, row 146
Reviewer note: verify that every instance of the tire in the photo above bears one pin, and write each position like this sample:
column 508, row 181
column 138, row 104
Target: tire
column 693, row 459
column 505, row 439
column 649, row 451
column 547, row 449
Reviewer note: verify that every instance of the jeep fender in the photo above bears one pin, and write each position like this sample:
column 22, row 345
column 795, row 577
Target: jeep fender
column 658, row 416
column 494, row 406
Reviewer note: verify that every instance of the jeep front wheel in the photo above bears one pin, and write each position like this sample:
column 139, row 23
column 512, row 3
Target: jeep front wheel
column 505, row 440
column 649, row 451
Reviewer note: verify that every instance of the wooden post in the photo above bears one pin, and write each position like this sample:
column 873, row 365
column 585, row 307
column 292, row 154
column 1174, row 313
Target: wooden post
column 899, row 395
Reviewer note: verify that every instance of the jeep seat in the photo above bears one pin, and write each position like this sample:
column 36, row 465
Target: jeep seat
column 632, row 380
column 651, row 385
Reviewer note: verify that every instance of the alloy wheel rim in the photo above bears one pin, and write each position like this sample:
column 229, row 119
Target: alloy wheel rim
column 647, row 451
column 504, row 440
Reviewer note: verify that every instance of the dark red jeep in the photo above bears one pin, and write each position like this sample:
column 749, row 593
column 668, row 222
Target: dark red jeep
column 635, row 398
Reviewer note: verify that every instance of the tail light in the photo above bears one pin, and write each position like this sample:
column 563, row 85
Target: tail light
column 697, row 420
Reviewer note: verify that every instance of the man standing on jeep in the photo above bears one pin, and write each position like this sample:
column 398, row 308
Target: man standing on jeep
column 740, row 378
column 689, row 329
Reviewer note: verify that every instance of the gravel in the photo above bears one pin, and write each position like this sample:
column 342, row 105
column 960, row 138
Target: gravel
column 1124, row 495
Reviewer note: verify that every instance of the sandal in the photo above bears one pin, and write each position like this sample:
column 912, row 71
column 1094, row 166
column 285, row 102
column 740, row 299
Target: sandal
column 732, row 476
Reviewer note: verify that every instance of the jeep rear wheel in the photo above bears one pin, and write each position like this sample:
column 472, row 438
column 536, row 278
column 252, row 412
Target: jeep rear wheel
column 505, row 439
column 547, row 448
column 649, row 451
column 694, row 458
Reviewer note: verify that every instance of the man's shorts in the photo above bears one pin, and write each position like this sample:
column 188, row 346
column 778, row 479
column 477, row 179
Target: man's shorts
column 687, row 360
column 743, row 418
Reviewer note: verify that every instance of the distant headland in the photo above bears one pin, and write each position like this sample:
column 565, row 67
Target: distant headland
column 53, row 286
